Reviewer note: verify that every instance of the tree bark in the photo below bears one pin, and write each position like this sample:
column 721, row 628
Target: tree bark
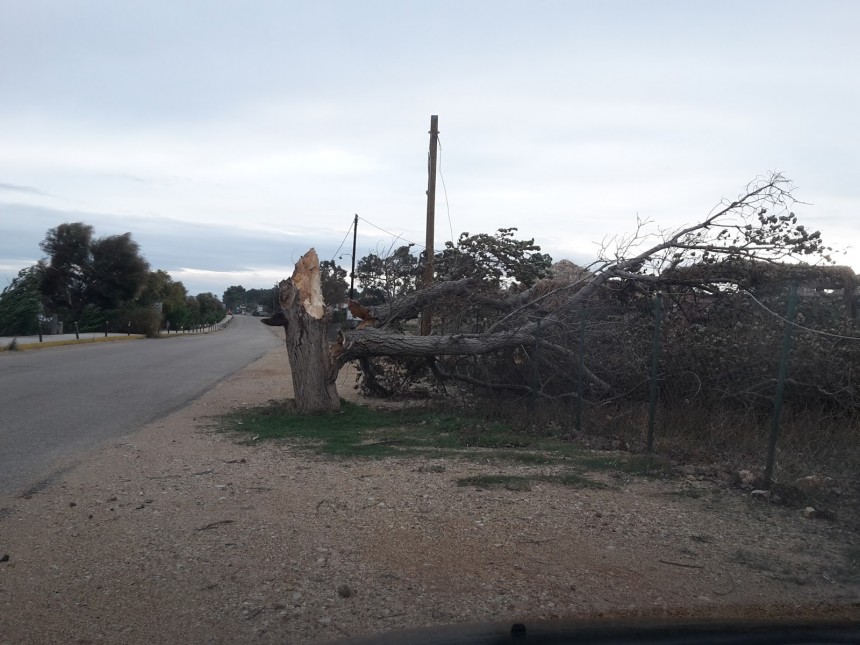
column 376, row 342
column 306, row 320
column 409, row 306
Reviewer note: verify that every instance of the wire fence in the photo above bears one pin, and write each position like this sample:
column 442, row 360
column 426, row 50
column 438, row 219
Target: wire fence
column 675, row 350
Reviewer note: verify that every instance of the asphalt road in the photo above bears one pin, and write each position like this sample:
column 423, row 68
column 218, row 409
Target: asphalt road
column 57, row 402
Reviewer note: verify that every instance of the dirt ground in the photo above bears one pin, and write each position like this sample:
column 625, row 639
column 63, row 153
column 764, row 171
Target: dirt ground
column 180, row 534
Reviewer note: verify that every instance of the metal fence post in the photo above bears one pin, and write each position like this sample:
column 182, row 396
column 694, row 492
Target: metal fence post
column 655, row 364
column 780, row 383
column 580, row 374
column 536, row 364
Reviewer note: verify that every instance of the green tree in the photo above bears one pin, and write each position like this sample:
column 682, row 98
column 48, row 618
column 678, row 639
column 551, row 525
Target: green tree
column 265, row 298
column 211, row 309
column 155, row 288
column 497, row 260
column 174, row 308
column 21, row 303
column 81, row 272
column 117, row 272
column 192, row 312
column 65, row 276
column 160, row 288
column 233, row 297
column 387, row 277
column 334, row 285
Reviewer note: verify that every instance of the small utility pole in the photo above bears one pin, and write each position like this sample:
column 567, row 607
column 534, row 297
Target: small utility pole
column 427, row 314
column 352, row 272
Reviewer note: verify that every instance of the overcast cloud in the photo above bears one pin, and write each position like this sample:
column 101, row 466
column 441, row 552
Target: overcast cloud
column 230, row 137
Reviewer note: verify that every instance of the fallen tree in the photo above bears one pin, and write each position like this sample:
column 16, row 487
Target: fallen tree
column 754, row 228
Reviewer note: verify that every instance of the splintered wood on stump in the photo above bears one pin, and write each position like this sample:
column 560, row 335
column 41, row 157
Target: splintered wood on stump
column 307, row 320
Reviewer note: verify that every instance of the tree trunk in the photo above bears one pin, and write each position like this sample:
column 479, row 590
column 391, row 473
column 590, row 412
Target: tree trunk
column 306, row 320
column 377, row 342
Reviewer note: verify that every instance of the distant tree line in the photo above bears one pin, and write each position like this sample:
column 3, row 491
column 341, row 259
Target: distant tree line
column 98, row 283
column 238, row 299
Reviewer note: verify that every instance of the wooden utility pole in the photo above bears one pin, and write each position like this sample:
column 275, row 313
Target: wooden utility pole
column 427, row 314
column 352, row 271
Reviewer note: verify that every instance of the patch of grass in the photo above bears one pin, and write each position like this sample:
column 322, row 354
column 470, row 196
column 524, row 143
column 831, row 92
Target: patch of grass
column 430, row 453
column 647, row 465
column 363, row 431
column 531, row 458
column 523, row 483
column 492, row 435
column 346, row 432
column 512, row 455
column 644, row 465
column 372, row 432
column 573, row 480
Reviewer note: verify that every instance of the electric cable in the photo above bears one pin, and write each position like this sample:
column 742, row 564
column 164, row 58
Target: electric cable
column 445, row 189
column 790, row 322
column 351, row 224
column 397, row 237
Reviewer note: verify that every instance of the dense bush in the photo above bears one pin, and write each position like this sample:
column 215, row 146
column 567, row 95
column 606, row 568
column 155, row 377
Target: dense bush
column 20, row 305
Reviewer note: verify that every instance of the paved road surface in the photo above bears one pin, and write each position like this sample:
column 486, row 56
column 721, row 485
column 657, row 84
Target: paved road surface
column 57, row 402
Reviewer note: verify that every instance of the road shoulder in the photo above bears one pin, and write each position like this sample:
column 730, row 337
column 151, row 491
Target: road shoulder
column 178, row 533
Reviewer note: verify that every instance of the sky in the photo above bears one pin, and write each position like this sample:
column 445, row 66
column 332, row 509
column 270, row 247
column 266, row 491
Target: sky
column 230, row 137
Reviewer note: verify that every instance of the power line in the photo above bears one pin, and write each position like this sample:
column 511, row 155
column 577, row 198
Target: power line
column 397, row 237
column 445, row 189
column 351, row 224
column 791, row 322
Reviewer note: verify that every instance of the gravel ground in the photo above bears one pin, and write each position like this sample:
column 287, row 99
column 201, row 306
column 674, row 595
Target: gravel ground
column 181, row 534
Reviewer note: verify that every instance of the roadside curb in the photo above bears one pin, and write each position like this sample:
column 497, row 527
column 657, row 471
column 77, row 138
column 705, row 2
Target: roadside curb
column 6, row 344
column 61, row 343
